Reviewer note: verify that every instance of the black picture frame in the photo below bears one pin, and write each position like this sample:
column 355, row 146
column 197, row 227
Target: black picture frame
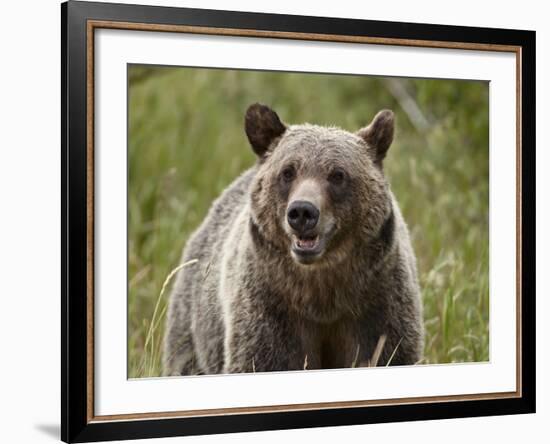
column 76, row 326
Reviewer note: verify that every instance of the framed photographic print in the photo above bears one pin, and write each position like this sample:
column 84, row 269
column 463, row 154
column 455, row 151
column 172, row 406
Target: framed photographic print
column 276, row 221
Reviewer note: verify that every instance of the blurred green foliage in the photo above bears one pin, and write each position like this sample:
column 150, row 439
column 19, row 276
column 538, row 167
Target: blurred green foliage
column 187, row 143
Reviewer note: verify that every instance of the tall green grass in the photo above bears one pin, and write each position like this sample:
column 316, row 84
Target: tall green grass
column 187, row 143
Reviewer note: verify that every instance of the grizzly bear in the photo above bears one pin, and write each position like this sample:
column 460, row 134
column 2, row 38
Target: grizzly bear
column 303, row 262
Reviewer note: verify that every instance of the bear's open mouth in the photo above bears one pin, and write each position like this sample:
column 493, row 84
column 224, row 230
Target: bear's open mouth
column 307, row 243
column 306, row 246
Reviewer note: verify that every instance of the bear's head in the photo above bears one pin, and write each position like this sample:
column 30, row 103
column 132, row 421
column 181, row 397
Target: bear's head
column 319, row 192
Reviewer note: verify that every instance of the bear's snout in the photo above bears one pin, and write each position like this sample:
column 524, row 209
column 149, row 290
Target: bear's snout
column 302, row 216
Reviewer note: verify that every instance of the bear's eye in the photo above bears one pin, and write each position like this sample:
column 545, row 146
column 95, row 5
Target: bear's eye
column 288, row 174
column 336, row 177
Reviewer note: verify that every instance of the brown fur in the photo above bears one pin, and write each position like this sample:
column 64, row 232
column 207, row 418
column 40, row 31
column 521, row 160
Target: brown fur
column 261, row 307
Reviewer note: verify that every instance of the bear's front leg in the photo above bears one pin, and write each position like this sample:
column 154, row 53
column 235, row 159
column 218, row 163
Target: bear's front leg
column 261, row 339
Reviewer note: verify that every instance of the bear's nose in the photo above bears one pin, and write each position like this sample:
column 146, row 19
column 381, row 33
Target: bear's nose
column 302, row 215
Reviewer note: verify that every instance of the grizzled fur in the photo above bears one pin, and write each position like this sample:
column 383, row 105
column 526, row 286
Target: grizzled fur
column 248, row 304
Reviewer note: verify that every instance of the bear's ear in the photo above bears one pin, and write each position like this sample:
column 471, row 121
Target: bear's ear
column 262, row 126
column 379, row 134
